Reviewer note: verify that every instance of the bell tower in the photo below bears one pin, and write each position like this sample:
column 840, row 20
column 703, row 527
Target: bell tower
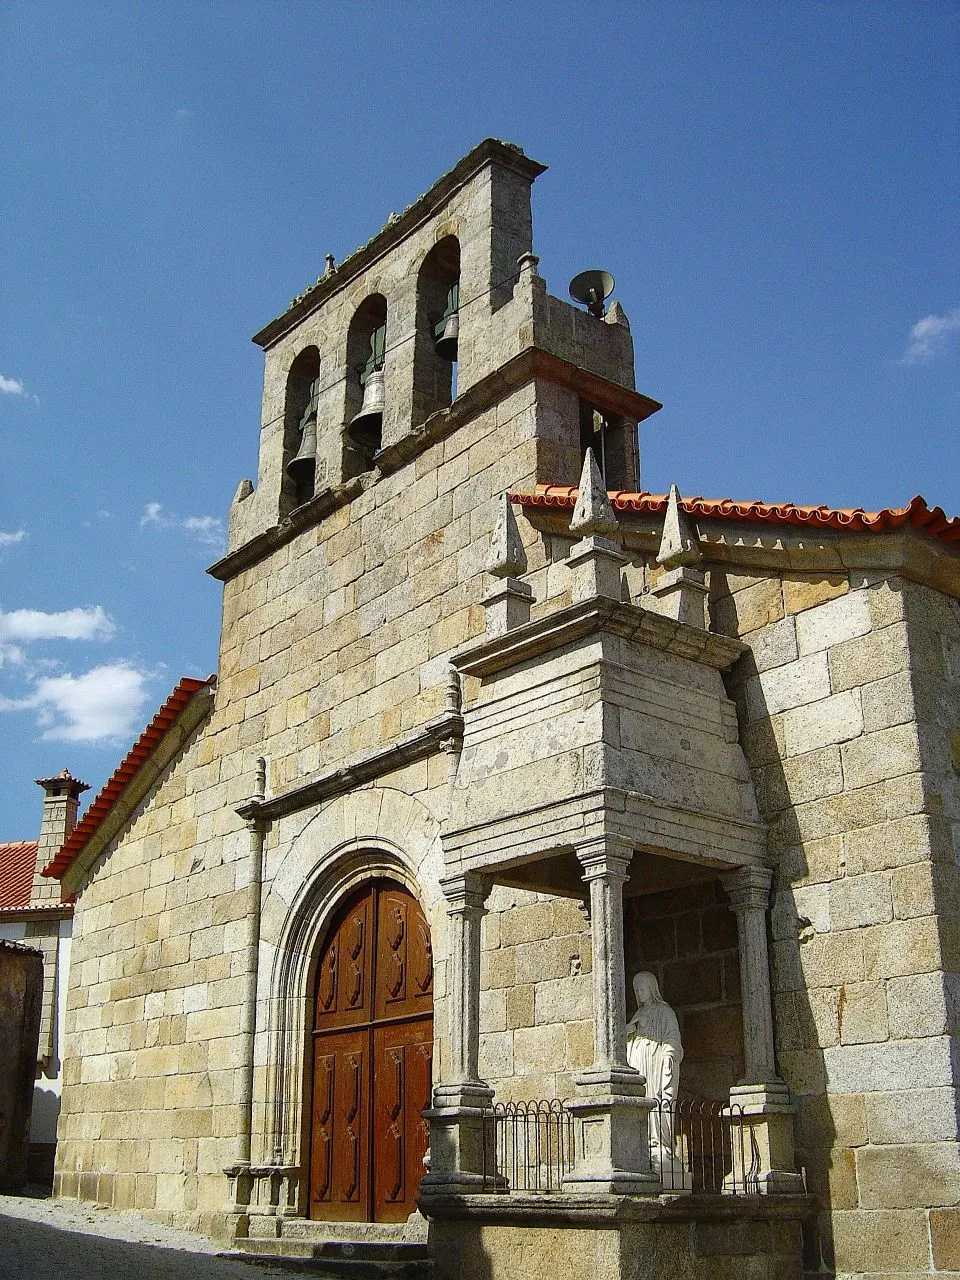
column 442, row 313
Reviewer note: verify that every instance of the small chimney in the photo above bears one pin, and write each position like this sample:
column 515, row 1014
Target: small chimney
column 61, row 799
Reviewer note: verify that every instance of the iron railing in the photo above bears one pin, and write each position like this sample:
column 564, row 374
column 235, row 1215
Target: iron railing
column 703, row 1147
column 696, row 1146
column 530, row 1144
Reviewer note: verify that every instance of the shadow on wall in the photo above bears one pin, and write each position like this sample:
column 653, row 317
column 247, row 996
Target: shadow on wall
column 798, row 954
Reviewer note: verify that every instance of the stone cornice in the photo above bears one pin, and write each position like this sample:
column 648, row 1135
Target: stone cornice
column 591, row 617
column 745, row 546
column 22, row 915
column 521, row 369
column 489, row 151
column 304, row 517
column 435, row 736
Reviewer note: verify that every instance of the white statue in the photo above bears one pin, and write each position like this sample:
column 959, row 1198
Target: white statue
column 655, row 1050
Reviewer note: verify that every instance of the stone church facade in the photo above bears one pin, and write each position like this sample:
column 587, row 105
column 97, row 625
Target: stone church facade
column 491, row 731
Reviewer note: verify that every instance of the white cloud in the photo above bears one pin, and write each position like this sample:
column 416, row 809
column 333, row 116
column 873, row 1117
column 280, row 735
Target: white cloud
column 70, row 624
column 105, row 703
column 205, row 529
column 9, row 539
column 153, row 514
column 11, row 386
column 23, row 626
column 929, row 335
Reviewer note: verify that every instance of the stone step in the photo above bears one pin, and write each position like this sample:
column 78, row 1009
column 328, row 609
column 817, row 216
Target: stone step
column 352, row 1259
column 414, row 1229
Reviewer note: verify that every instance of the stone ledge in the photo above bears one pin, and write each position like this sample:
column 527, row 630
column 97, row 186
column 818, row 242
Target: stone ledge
column 606, row 1210
column 521, row 369
column 629, row 621
column 427, row 741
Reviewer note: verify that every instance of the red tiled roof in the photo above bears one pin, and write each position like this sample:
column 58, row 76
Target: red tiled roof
column 18, row 861
column 930, row 520
column 124, row 774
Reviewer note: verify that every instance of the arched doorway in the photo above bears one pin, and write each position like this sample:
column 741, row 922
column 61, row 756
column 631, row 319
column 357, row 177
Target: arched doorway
column 372, row 1057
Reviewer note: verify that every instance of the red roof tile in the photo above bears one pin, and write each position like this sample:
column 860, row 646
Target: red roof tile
column 123, row 775
column 931, row 520
column 18, row 861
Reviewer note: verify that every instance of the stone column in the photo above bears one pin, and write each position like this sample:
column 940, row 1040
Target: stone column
column 761, row 1096
column 612, row 1110
column 460, row 1161
column 605, row 866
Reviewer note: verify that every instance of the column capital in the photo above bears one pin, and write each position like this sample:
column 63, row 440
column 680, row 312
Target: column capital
column 749, row 888
column 607, row 857
column 466, row 891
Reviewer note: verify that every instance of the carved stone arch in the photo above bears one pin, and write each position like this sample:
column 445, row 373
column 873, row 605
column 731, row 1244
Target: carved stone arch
column 354, row 838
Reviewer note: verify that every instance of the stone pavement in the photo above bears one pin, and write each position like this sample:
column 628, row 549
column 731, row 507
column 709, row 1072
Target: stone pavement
column 45, row 1239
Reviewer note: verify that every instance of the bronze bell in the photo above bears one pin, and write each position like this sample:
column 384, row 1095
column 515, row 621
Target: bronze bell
column 446, row 344
column 364, row 431
column 302, row 468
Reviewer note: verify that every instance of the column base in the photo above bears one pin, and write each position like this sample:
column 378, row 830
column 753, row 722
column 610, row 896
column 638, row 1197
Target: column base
column 462, row 1151
column 763, row 1163
column 613, row 1130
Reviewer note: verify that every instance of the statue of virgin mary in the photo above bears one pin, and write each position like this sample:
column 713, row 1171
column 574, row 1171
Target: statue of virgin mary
column 655, row 1050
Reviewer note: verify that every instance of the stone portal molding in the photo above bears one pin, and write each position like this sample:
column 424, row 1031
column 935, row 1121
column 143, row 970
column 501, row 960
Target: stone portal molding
column 318, row 859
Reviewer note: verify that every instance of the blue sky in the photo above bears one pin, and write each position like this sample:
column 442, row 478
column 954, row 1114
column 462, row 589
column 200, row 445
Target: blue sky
column 774, row 186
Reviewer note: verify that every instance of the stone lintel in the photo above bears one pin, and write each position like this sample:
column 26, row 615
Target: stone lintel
column 591, row 617
column 500, row 844
column 432, row 738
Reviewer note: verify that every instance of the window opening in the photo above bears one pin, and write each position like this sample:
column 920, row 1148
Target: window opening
column 437, row 339
column 302, row 467
column 300, row 430
column 366, row 355
column 613, row 440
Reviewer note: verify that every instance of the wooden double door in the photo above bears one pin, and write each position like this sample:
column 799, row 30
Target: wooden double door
column 372, row 1058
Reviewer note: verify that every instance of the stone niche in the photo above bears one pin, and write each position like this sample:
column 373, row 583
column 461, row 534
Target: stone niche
column 687, row 937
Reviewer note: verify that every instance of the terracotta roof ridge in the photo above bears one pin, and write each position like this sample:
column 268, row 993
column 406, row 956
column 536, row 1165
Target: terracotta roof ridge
column 124, row 773
column 931, row 520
